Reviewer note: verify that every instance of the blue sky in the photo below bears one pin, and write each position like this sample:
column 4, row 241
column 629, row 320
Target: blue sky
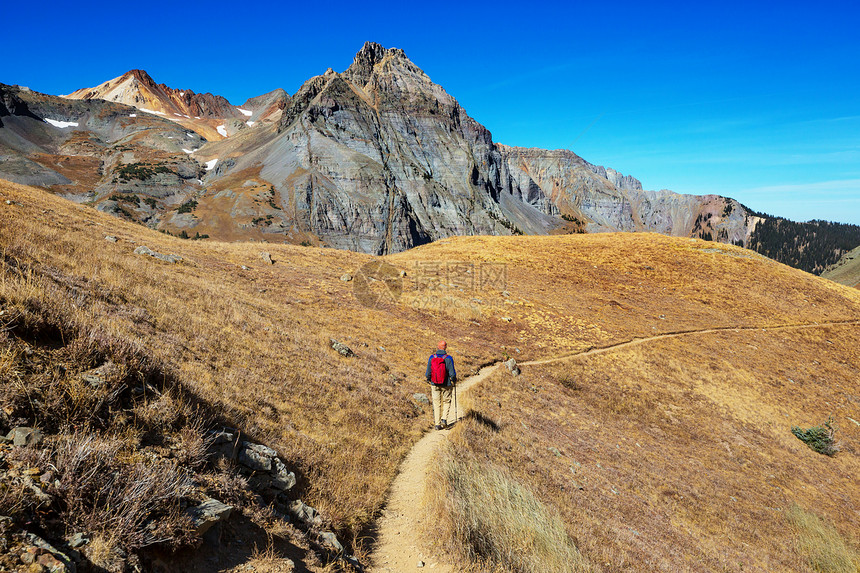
column 759, row 101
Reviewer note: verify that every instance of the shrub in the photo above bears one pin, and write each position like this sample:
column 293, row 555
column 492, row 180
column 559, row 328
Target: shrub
column 821, row 544
column 132, row 503
column 187, row 207
column 819, row 438
column 495, row 521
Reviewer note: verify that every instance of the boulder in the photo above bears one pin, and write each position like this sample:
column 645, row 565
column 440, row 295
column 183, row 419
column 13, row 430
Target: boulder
column 512, row 367
column 341, row 348
column 329, row 539
column 24, row 436
column 256, row 456
column 207, row 514
column 144, row 250
column 282, row 478
column 110, row 239
column 421, row 398
column 223, row 443
column 267, row 258
column 346, row 277
column 304, row 513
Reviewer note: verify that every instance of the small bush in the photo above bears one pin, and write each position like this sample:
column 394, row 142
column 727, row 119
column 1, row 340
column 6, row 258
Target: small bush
column 821, row 543
column 187, row 207
column 497, row 522
column 819, row 438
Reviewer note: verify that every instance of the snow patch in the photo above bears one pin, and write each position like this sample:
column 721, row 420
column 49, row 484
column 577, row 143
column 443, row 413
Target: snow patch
column 151, row 111
column 177, row 114
column 250, row 123
column 222, row 130
column 181, row 94
column 61, row 124
column 132, row 115
column 196, row 117
column 210, row 165
column 245, row 112
column 189, row 151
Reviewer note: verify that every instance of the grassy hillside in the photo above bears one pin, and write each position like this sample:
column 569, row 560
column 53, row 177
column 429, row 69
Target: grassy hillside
column 711, row 414
column 847, row 270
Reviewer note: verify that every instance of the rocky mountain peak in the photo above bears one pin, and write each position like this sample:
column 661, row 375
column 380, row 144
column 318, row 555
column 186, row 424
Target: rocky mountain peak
column 139, row 75
column 367, row 57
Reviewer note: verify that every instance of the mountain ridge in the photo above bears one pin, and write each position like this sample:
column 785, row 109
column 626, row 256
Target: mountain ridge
column 377, row 158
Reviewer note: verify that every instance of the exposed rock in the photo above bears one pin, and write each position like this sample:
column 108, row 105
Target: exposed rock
column 346, row 277
column 207, row 514
column 110, row 239
column 256, row 456
column 511, row 365
column 105, row 374
column 267, row 258
column 329, row 539
column 341, row 348
column 304, row 513
column 144, row 250
column 78, row 540
column 224, row 443
column 506, row 319
column 421, row 398
column 282, row 478
column 24, row 436
column 54, row 560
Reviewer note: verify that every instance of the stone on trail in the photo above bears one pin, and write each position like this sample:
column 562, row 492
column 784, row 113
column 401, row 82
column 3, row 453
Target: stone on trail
column 512, row 367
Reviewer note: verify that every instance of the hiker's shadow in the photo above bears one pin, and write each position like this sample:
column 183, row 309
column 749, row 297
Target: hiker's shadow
column 479, row 418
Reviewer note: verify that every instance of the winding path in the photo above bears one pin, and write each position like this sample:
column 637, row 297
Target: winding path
column 399, row 548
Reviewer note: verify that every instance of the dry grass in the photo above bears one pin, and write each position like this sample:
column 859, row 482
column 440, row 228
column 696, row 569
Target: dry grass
column 679, row 454
column 824, row 547
column 494, row 522
column 711, row 415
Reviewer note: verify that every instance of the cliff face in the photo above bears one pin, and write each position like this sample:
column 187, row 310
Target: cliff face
column 379, row 159
column 606, row 200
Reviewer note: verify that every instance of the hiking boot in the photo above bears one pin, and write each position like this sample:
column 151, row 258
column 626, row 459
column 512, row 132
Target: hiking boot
column 444, row 423
column 437, row 427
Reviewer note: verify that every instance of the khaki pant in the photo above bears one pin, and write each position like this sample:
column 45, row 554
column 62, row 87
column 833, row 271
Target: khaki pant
column 441, row 403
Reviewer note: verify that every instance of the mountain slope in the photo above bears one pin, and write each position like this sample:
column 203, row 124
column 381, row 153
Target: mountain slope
column 252, row 340
column 846, row 271
column 211, row 116
column 375, row 159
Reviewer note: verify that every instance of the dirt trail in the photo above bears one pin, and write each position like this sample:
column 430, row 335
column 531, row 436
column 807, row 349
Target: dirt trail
column 399, row 546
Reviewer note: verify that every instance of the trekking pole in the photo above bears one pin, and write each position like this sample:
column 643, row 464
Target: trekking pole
column 456, row 415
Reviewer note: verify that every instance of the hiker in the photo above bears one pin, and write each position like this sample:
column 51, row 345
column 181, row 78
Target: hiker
column 442, row 377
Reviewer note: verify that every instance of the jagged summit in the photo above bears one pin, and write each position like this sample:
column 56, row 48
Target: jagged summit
column 368, row 57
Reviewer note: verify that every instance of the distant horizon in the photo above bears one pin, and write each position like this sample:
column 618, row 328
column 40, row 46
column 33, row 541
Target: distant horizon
column 753, row 102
